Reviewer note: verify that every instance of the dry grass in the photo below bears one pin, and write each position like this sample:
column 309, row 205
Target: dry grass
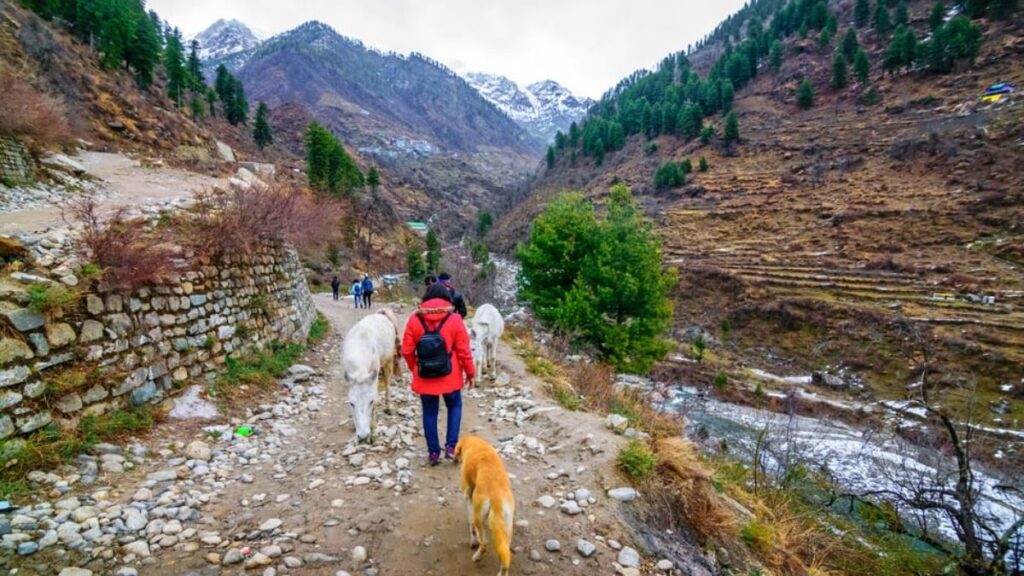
column 28, row 113
column 688, row 481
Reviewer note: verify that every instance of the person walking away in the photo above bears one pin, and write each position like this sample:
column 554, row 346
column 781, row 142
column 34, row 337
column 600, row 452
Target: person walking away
column 445, row 279
column 357, row 293
column 367, row 291
column 335, row 287
column 436, row 349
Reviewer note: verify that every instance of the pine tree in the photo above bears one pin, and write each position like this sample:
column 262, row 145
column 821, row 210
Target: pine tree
column 706, row 134
column 824, row 39
column 731, row 133
column 198, row 109
column 373, row 178
column 669, row 176
column 211, row 102
column 414, row 263
column 223, row 84
column 551, row 157
column 236, row 108
column 805, row 95
column 261, row 132
column 775, row 55
column 901, row 50
column 937, row 16
column 839, row 71
column 862, row 66
column 433, row 251
column 902, row 17
column 144, row 51
column 574, row 134
column 803, row 29
column 862, row 12
column 599, row 152
column 560, row 141
column 703, row 166
column 727, row 95
column 616, row 136
column 882, row 21
column 174, row 67
column 850, row 44
column 195, row 68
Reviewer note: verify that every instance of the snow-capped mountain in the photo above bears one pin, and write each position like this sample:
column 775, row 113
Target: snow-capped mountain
column 543, row 108
column 224, row 38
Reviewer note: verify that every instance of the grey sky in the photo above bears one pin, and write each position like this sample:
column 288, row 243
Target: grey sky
column 587, row 45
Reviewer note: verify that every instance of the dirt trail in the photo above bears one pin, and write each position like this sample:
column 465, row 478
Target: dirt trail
column 418, row 527
column 124, row 182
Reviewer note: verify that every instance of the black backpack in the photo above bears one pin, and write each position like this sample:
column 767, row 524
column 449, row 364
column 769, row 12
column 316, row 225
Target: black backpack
column 432, row 355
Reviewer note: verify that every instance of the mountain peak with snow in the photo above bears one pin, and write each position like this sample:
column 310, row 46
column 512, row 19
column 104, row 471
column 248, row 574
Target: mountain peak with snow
column 543, row 108
column 224, row 38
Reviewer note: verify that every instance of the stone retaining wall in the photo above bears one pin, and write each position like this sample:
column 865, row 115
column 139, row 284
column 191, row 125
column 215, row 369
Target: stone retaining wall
column 134, row 349
column 15, row 161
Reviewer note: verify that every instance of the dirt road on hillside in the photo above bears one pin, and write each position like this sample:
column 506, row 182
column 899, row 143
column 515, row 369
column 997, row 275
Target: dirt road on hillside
column 311, row 486
column 124, row 183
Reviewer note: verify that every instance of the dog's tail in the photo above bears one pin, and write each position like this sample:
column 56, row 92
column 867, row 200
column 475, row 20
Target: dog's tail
column 499, row 521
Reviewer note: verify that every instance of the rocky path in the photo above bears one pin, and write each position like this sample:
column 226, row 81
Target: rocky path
column 122, row 182
column 300, row 496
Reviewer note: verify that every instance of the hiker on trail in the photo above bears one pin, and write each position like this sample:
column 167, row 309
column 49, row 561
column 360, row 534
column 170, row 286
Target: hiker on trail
column 335, row 287
column 436, row 349
column 367, row 291
column 357, row 293
column 445, row 279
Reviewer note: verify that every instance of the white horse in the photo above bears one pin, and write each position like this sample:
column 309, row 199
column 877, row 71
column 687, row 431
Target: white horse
column 370, row 359
column 485, row 329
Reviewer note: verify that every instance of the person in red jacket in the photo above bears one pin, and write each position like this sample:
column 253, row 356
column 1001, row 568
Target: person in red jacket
column 436, row 311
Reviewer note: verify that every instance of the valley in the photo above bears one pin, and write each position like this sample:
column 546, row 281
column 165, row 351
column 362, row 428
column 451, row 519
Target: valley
column 776, row 328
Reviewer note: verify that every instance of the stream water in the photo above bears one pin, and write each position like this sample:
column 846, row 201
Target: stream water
column 858, row 460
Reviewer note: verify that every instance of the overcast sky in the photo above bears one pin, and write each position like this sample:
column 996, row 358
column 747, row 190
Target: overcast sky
column 587, row 45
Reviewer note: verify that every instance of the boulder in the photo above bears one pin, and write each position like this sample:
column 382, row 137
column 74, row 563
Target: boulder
column 225, row 152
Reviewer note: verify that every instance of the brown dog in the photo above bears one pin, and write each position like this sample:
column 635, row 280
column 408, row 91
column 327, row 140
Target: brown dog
column 488, row 498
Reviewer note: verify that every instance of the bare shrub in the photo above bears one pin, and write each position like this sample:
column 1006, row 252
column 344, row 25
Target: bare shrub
column 129, row 254
column 242, row 218
column 29, row 113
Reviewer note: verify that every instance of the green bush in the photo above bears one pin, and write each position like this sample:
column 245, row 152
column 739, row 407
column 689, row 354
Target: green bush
column 703, row 166
column 669, row 176
column 600, row 280
column 805, row 95
column 50, row 298
column 721, row 381
column 637, row 460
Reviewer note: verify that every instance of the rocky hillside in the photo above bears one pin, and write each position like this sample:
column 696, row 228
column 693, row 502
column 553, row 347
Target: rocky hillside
column 871, row 238
column 542, row 108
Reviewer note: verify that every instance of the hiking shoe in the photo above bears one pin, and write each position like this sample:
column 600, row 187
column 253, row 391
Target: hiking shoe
column 449, row 452
column 434, row 458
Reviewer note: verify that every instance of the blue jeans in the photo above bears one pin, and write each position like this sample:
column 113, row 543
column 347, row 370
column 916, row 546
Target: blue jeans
column 431, row 407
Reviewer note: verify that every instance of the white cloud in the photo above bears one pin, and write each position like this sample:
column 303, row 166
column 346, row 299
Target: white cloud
column 587, row 45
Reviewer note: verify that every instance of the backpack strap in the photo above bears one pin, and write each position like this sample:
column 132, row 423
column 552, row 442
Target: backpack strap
column 437, row 330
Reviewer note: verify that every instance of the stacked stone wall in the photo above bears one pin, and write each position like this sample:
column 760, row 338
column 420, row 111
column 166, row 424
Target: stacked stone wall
column 114, row 351
column 15, row 162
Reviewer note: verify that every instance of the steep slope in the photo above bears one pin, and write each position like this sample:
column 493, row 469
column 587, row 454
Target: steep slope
column 875, row 242
column 409, row 114
column 542, row 108
column 104, row 106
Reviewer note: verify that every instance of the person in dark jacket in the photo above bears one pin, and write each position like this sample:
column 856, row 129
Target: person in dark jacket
column 436, row 311
column 335, row 287
column 445, row 279
column 367, row 291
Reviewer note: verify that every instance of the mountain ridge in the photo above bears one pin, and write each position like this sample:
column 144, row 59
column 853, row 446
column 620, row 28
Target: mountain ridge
column 543, row 108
